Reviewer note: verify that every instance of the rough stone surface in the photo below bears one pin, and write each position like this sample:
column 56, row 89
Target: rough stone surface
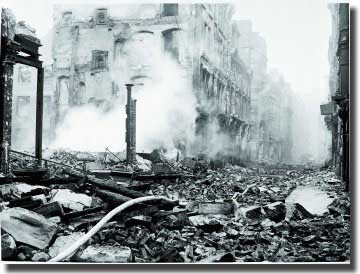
column 211, row 207
column 18, row 188
column 105, row 254
column 72, row 200
column 276, row 211
column 28, row 227
column 63, row 242
column 297, row 212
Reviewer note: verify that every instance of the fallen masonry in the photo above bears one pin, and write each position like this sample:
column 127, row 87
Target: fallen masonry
column 228, row 214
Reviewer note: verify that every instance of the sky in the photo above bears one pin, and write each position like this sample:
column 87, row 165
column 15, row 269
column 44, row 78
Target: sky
column 297, row 37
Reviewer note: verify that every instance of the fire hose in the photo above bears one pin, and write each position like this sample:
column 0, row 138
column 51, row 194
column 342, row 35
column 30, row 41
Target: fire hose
column 71, row 250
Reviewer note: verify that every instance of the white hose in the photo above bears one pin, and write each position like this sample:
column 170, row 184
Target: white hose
column 71, row 250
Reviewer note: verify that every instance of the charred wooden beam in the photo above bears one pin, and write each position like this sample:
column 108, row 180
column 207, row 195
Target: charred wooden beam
column 76, row 214
column 116, row 199
column 50, row 210
column 26, row 202
column 28, row 45
column 59, row 181
column 111, row 197
column 122, row 173
column 28, row 61
column 112, row 186
column 30, row 205
column 108, row 185
column 36, row 191
column 140, row 186
column 156, row 177
column 137, row 176
column 31, row 172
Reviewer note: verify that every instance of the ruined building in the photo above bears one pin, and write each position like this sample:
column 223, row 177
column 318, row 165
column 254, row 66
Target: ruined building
column 270, row 137
column 337, row 110
column 90, row 45
column 275, row 123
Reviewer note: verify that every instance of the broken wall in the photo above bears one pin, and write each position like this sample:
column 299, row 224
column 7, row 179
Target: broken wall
column 207, row 28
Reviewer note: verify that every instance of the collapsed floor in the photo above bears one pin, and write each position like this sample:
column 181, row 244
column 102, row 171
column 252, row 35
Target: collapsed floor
column 219, row 213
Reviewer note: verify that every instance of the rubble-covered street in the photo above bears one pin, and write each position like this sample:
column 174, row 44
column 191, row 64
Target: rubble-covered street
column 225, row 214
column 175, row 132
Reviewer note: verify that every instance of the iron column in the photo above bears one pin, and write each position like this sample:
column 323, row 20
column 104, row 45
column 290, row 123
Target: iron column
column 130, row 127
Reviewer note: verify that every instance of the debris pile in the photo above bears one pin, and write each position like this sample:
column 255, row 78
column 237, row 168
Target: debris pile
column 226, row 214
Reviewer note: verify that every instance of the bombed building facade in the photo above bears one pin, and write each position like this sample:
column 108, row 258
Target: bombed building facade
column 84, row 66
column 270, row 137
column 337, row 110
column 97, row 51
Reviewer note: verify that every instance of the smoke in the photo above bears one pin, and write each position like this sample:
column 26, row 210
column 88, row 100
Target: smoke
column 165, row 104
column 312, row 140
column 220, row 142
column 88, row 128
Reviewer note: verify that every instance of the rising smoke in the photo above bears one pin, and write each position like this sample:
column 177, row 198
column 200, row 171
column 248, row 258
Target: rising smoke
column 165, row 104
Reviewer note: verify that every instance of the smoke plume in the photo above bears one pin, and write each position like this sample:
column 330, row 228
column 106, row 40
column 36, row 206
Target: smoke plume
column 165, row 104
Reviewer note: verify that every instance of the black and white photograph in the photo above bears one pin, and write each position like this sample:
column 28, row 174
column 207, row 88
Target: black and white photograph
column 175, row 133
